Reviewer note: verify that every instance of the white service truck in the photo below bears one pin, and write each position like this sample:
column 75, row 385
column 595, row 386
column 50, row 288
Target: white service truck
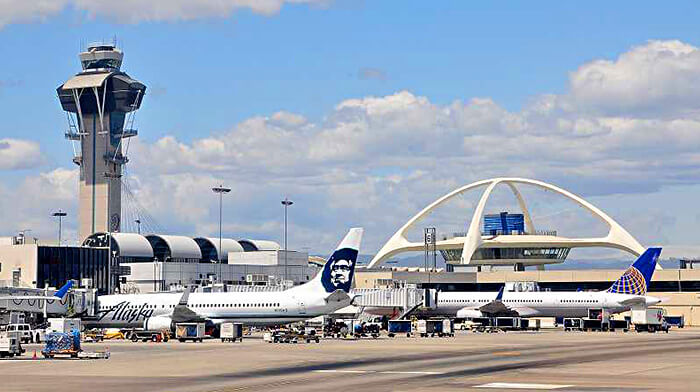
column 10, row 345
column 649, row 319
column 25, row 333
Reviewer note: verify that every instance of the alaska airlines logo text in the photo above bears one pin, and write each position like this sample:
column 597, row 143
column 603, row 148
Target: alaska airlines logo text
column 122, row 312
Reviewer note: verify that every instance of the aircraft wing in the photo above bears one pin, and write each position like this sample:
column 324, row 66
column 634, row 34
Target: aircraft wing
column 182, row 313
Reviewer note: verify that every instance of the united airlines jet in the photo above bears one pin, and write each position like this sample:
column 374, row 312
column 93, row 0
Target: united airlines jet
column 628, row 291
column 327, row 292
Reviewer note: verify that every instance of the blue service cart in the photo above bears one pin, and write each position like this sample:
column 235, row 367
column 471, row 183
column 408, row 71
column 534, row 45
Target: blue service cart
column 62, row 343
column 190, row 331
column 400, row 327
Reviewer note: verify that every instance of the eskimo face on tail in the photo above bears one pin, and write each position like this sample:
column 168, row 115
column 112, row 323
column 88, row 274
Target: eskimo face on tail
column 339, row 270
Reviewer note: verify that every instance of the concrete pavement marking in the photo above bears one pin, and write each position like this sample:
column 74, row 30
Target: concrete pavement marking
column 508, row 385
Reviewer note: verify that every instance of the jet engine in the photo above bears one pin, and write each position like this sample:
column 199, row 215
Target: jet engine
column 158, row 323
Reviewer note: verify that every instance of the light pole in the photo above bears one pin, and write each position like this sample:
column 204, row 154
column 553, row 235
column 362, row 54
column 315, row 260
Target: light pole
column 59, row 214
column 286, row 203
column 220, row 190
column 138, row 225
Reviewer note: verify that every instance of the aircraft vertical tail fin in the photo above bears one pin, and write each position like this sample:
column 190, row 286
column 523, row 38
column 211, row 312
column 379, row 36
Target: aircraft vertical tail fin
column 636, row 278
column 339, row 270
column 63, row 290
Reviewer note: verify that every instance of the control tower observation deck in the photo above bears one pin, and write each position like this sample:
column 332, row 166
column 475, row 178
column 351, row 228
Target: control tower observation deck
column 100, row 102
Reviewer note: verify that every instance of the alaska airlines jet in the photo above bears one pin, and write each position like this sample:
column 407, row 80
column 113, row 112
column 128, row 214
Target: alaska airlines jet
column 627, row 292
column 324, row 294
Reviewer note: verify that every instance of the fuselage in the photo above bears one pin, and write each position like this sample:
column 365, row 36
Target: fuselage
column 250, row 308
column 530, row 304
column 541, row 303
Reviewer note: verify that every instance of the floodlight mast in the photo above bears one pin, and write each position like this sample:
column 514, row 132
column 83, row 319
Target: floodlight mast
column 221, row 190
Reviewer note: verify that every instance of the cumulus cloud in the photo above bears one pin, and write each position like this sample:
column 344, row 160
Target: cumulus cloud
column 376, row 160
column 19, row 154
column 659, row 77
column 29, row 204
column 134, row 11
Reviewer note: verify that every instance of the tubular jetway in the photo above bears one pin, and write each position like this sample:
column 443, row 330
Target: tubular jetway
column 405, row 299
column 76, row 301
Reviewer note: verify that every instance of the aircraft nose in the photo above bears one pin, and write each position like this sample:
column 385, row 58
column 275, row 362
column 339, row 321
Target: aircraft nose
column 652, row 300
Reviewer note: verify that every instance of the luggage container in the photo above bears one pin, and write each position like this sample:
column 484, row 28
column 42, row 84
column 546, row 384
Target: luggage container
column 400, row 327
column 190, row 331
column 675, row 321
column 590, row 325
column 230, row 332
column 507, row 323
column 573, row 324
column 531, row 324
column 624, row 325
column 447, row 328
column 429, row 328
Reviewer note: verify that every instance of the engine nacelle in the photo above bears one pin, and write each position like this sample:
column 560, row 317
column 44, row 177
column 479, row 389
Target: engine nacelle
column 469, row 313
column 158, row 323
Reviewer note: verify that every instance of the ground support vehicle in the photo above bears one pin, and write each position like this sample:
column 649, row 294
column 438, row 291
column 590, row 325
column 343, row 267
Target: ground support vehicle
column 146, row 336
column 335, row 329
column 62, row 343
column 190, row 331
column 649, row 319
column 94, row 335
column 290, row 336
column 397, row 327
column 531, row 324
column 367, row 329
column 25, row 333
column 10, row 345
column 230, row 332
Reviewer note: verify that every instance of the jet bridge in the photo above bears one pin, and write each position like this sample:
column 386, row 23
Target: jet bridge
column 404, row 300
column 76, row 302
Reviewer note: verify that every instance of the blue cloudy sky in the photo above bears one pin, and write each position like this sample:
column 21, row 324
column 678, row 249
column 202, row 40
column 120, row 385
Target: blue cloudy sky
column 362, row 112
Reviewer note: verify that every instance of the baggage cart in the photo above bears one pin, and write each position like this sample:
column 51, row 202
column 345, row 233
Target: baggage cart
column 230, row 332
column 190, row 331
column 400, row 327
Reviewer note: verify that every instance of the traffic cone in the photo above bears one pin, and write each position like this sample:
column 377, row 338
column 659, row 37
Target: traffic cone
column 34, row 356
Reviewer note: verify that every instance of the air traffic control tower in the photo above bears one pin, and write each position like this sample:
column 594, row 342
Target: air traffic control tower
column 100, row 102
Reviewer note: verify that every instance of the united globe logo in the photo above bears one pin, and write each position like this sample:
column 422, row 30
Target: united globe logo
column 631, row 282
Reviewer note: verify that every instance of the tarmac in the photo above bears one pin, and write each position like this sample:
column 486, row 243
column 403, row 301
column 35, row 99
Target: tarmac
column 546, row 360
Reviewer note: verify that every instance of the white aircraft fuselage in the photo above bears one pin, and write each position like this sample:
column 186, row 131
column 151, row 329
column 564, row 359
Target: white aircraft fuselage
column 250, row 308
column 542, row 303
